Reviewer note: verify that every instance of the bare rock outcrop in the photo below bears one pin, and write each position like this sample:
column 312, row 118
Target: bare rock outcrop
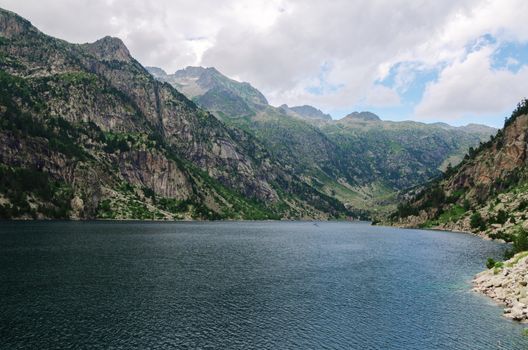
column 507, row 284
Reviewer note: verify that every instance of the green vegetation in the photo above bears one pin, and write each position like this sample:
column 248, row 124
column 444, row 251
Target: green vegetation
column 501, row 217
column 454, row 213
column 173, row 205
column 124, row 142
column 516, row 259
column 477, row 222
column 31, row 192
column 104, row 211
column 239, row 206
column 492, row 264
column 522, row 108
column 520, row 243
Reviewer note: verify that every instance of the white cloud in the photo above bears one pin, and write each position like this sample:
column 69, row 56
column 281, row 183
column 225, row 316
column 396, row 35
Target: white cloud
column 280, row 45
column 381, row 96
column 165, row 33
column 356, row 37
column 471, row 87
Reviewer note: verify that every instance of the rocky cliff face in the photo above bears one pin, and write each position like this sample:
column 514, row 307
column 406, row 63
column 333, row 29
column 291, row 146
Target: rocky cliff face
column 117, row 143
column 486, row 194
column 503, row 157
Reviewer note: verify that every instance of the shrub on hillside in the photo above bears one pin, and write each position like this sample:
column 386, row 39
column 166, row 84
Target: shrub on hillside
column 490, row 263
column 476, row 221
column 520, row 244
column 501, row 217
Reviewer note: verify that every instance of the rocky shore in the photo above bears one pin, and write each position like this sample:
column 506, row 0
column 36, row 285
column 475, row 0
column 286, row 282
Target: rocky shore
column 507, row 283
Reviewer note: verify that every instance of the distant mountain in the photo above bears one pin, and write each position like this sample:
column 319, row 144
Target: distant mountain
column 360, row 160
column 487, row 193
column 87, row 132
column 362, row 116
column 478, row 129
column 214, row 91
column 306, row 112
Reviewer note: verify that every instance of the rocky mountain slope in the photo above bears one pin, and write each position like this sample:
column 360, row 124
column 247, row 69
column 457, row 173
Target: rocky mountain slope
column 360, row 160
column 87, row 132
column 486, row 194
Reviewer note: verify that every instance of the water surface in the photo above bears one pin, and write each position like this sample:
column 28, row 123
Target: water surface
column 244, row 285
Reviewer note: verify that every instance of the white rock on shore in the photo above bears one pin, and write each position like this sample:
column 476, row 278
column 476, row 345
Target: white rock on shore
column 507, row 285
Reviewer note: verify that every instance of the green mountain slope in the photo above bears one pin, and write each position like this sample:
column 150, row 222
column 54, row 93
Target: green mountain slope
column 486, row 194
column 87, row 132
column 360, row 160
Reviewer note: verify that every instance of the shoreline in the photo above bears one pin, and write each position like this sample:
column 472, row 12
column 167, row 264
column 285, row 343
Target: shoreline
column 506, row 284
column 182, row 220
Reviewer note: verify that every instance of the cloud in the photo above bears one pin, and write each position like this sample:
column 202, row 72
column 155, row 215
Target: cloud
column 169, row 34
column 355, row 37
column 470, row 87
column 381, row 96
column 280, row 45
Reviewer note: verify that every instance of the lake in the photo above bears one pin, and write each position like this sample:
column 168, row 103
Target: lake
column 245, row 285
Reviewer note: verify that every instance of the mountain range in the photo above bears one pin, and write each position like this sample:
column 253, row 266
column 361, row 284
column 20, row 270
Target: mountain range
column 360, row 159
column 87, row 132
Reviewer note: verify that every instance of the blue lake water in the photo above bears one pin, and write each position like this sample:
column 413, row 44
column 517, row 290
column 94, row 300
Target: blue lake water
column 244, row 285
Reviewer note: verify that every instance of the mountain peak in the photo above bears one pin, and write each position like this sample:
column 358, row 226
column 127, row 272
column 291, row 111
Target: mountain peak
column 309, row 112
column 190, row 71
column 364, row 116
column 156, row 72
column 478, row 128
column 110, row 49
column 197, row 81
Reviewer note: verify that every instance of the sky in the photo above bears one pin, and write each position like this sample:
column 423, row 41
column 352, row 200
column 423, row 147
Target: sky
column 454, row 61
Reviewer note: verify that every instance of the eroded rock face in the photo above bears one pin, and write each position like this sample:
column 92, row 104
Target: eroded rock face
column 498, row 162
column 146, row 168
column 34, row 154
column 11, row 25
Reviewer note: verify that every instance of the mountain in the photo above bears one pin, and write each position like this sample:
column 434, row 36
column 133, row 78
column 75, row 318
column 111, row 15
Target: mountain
column 362, row 116
column 360, row 160
column 487, row 193
column 306, row 112
column 87, row 132
column 214, row 91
